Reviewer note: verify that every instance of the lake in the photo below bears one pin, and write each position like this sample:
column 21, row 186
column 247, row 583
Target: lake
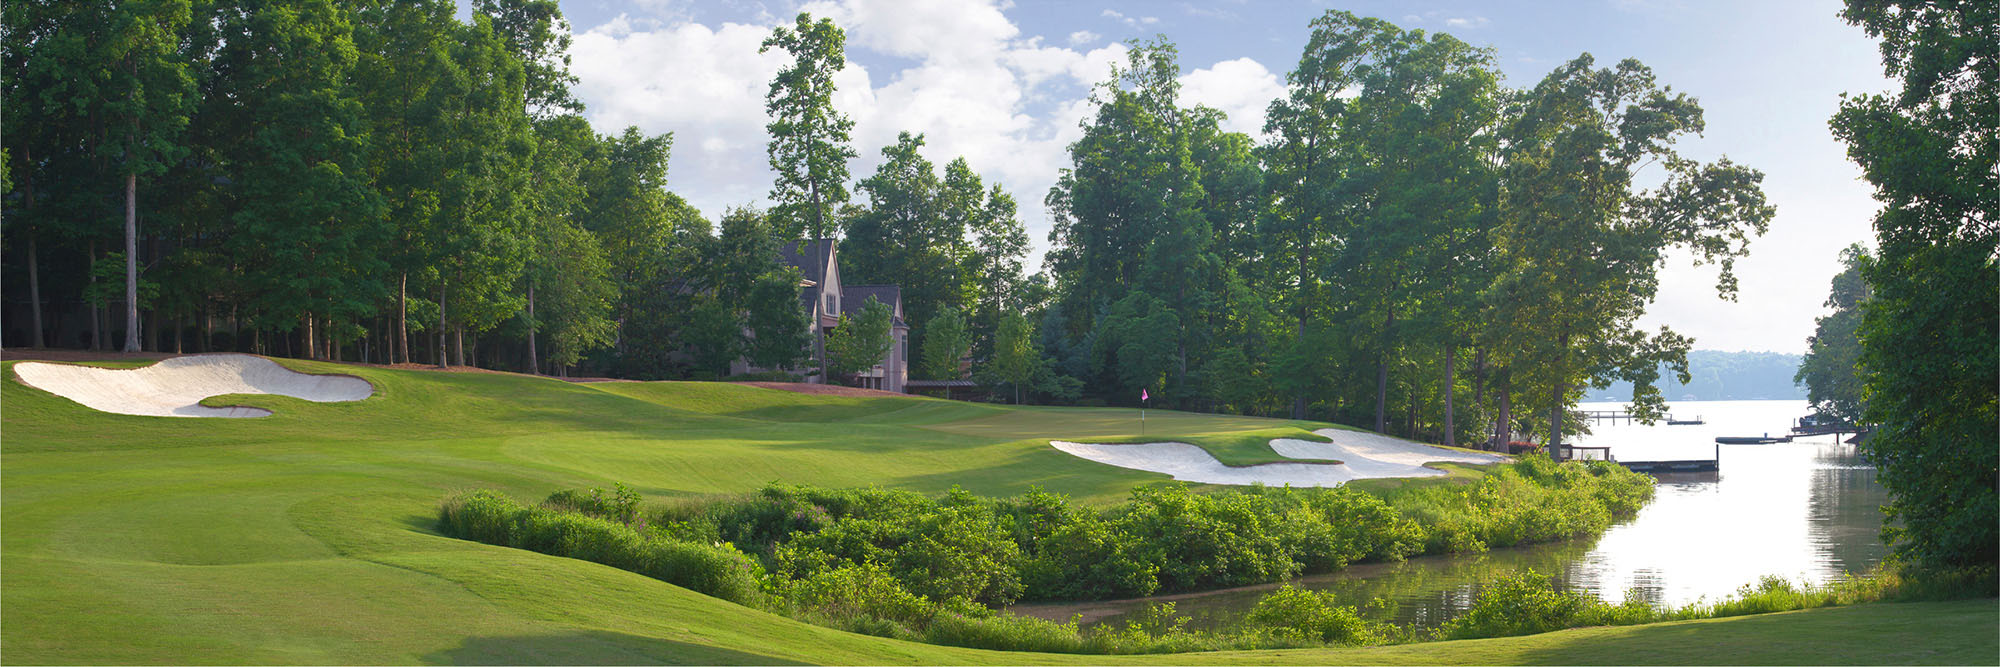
column 1807, row 510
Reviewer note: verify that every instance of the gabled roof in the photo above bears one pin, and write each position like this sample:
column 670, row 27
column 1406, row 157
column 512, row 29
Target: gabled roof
column 854, row 297
column 792, row 254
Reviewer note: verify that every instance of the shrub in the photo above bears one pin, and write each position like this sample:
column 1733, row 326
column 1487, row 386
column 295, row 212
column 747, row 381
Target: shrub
column 717, row 570
column 1301, row 614
column 621, row 505
column 1522, row 604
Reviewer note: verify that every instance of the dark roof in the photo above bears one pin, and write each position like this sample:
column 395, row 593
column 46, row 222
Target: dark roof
column 792, row 255
column 854, row 297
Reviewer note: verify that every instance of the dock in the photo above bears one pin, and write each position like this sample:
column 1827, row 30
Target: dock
column 1696, row 465
column 1605, row 415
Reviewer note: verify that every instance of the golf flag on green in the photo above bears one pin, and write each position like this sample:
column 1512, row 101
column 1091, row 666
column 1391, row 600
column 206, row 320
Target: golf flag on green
column 1142, row 394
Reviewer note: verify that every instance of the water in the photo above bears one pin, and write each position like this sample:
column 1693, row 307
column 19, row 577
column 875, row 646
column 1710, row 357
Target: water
column 1808, row 511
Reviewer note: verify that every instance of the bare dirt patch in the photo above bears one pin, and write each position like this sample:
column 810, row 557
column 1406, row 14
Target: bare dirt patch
column 826, row 389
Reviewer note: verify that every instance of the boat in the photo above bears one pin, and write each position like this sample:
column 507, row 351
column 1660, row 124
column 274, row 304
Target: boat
column 1697, row 421
column 1751, row 440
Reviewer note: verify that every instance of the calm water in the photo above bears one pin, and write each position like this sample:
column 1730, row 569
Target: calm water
column 1807, row 510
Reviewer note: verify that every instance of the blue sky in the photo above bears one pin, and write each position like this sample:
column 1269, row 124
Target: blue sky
column 1004, row 84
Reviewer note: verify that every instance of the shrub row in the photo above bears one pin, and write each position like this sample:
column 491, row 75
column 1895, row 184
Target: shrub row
column 1167, row 538
column 717, row 570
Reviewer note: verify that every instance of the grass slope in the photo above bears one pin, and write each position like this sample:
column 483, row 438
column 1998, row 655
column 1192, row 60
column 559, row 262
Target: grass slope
column 306, row 537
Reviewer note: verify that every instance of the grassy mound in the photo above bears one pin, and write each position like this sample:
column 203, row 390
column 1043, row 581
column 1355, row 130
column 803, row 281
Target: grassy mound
column 309, row 536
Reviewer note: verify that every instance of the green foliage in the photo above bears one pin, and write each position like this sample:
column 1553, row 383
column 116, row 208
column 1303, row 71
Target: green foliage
column 860, row 342
column 1830, row 369
column 947, row 341
column 808, row 147
column 1927, row 353
column 1303, row 614
column 489, row 517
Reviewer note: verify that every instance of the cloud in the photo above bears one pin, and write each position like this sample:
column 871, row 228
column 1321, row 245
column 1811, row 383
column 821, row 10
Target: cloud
column 1474, row 22
column 1130, row 21
column 1242, row 88
column 976, row 88
column 1082, row 37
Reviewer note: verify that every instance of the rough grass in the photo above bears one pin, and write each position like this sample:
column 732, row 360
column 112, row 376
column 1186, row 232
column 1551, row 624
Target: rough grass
column 309, row 536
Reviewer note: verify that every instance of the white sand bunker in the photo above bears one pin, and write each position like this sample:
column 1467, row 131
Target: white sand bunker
column 1362, row 456
column 175, row 387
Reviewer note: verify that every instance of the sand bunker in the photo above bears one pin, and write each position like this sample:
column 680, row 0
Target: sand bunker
column 175, row 387
column 1363, row 456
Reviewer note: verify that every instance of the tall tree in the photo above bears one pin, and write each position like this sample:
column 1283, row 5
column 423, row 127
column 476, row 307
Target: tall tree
column 309, row 225
column 1304, row 177
column 150, row 97
column 1928, row 331
column 1584, row 267
column 1830, row 370
column 808, row 147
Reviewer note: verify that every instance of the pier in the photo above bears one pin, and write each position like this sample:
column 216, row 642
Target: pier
column 1605, row 415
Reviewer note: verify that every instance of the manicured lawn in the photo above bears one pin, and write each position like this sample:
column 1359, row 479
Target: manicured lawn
column 306, row 537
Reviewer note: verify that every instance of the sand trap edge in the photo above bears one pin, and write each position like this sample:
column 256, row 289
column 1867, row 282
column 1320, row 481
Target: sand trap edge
column 231, row 411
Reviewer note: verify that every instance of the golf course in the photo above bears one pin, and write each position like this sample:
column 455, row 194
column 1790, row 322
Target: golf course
column 310, row 536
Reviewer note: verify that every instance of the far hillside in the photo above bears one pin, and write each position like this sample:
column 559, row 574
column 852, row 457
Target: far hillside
column 1723, row 376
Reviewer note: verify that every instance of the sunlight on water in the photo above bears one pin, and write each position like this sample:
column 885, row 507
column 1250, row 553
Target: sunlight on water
column 1807, row 510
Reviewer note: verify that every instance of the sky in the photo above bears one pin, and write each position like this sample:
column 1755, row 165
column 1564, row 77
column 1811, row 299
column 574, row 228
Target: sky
column 1006, row 84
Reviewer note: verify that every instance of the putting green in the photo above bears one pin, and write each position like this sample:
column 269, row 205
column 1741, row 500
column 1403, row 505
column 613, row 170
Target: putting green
column 306, row 537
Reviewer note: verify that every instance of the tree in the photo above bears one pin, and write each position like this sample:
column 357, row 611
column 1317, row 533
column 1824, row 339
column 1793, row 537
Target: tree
column 1582, row 268
column 1017, row 360
column 151, row 95
column 1830, row 369
column 858, row 343
column 808, row 147
column 1927, row 330
column 946, row 344
column 309, row 227
column 1298, row 232
column 1129, row 218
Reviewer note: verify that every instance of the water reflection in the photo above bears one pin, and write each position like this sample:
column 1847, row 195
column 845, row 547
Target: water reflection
column 1808, row 510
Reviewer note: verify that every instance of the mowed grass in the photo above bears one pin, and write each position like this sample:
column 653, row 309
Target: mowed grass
column 307, row 537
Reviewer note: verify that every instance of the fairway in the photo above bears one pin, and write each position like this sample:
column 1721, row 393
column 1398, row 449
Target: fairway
column 307, row 536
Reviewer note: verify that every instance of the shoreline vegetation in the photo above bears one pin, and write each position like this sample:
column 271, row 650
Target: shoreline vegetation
column 903, row 565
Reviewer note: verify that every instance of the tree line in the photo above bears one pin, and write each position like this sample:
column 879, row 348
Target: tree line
column 1410, row 246
column 384, row 182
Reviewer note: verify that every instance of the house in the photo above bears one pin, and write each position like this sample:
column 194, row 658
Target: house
column 825, row 298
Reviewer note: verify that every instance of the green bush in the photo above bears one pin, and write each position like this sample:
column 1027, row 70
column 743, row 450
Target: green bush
column 621, row 505
column 1523, row 604
column 1301, row 614
column 717, row 570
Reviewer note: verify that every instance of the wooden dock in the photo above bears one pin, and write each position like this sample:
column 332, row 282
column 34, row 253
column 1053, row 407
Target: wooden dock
column 1605, row 415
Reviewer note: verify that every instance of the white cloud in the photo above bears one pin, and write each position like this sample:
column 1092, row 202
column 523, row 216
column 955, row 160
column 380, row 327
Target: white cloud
column 1473, row 22
column 1082, row 37
column 1130, row 21
column 1009, row 105
column 1242, row 88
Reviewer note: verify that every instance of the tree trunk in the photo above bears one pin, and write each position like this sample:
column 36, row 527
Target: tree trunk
column 1450, row 427
column 534, row 362
column 1382, row 375
column 402, row 340
column 34, row 282
column 1503, row 430
column 132, row 262
column 458, row 346
column 442, row 360
column 1556, row 393
column 311, row 350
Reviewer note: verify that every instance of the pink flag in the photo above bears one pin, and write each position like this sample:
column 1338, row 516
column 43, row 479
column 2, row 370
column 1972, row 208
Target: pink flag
column 1142, row 394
